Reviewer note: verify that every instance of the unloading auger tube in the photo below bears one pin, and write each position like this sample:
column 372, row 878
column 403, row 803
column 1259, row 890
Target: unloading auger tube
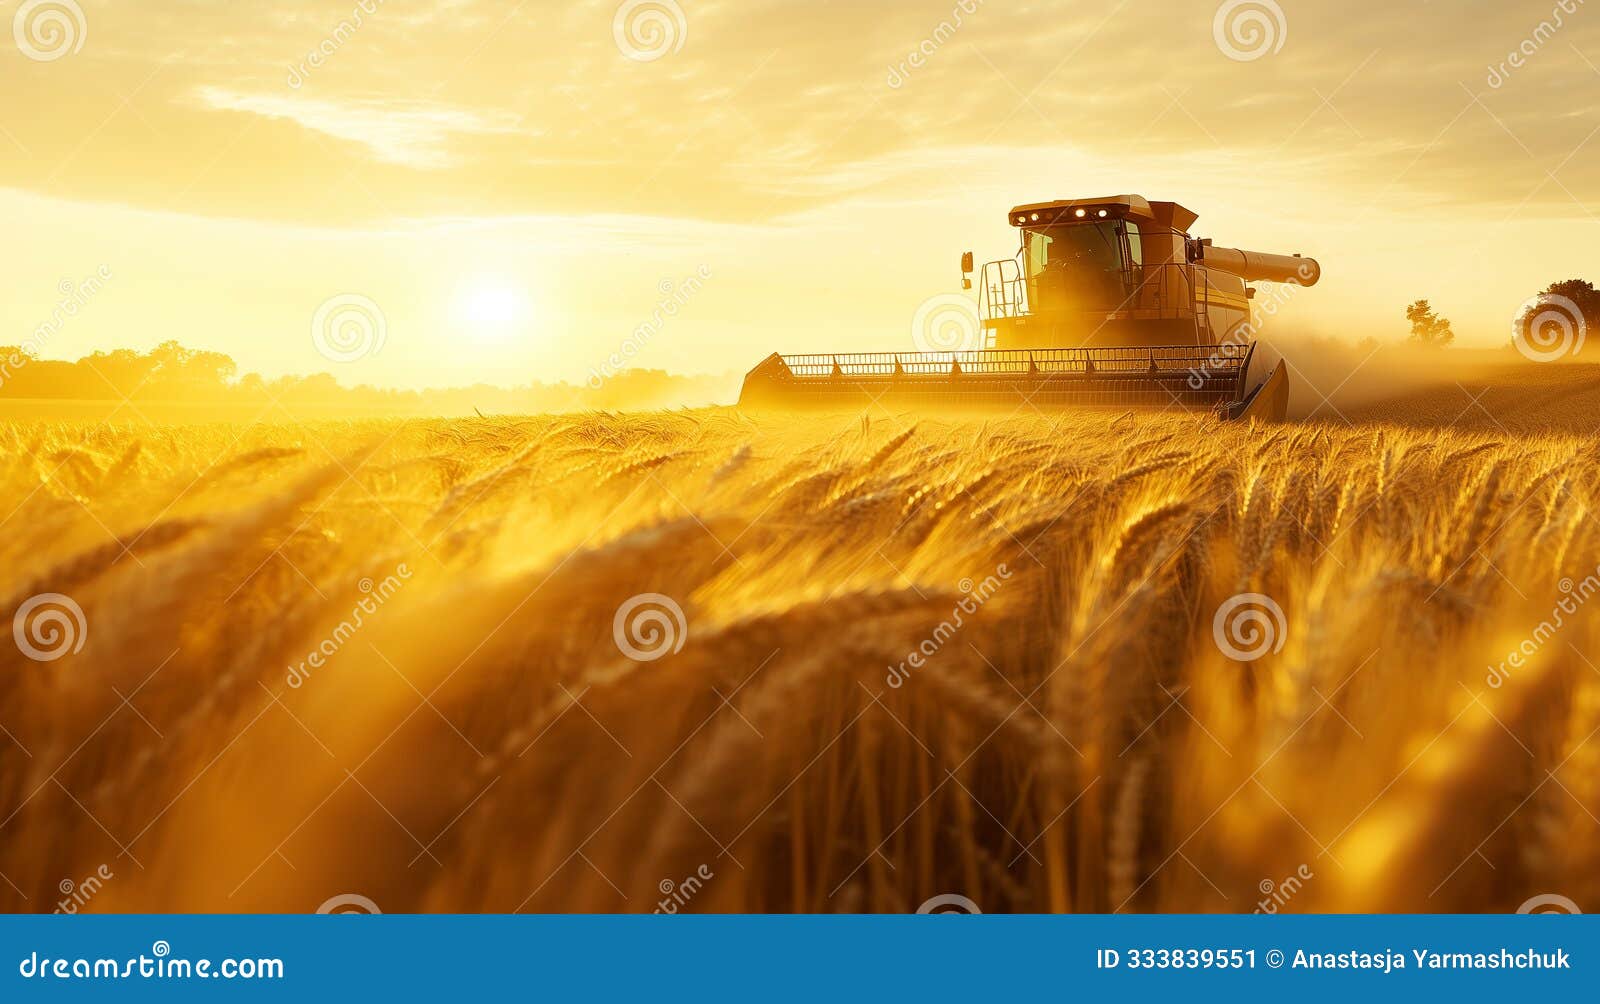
column 1108, row 303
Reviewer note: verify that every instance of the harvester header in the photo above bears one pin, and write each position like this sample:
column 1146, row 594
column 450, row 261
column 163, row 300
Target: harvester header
column 1108, row 302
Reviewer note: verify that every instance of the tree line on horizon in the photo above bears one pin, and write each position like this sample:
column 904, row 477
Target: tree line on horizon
column 172, row 372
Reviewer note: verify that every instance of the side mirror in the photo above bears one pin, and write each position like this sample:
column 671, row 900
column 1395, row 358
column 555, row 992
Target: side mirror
column 966, row 263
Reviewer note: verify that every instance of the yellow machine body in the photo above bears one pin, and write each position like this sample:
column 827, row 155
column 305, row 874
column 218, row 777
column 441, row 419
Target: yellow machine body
column 1108, row 302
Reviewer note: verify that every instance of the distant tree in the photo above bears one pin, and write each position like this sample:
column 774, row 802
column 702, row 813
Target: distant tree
column 1580, row 291
column 1427, row 327
column 311, row 387
column 1583, row 293
column 118, row 373
column 186, row 372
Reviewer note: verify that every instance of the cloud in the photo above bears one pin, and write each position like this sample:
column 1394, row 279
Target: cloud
column 1392, row 145
column 408, row 133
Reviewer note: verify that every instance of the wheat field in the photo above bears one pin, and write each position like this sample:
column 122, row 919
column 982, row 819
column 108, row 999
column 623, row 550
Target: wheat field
column 1042, row 662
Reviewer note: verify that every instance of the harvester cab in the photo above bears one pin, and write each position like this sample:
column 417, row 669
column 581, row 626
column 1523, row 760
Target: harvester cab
column 1108, row 302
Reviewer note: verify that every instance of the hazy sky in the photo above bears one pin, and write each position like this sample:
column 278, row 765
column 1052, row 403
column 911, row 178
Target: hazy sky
column 516, row 187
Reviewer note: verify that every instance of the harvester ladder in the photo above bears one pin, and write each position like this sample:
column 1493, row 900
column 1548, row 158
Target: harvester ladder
column 1198, row 281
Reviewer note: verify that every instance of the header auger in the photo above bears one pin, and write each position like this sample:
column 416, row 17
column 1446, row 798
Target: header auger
column 1109, row 302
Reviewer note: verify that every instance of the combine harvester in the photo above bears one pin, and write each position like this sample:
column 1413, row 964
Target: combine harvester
column 1108, row 303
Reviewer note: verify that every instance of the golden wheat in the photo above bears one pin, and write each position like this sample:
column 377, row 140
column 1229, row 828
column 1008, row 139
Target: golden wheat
column 919, row 656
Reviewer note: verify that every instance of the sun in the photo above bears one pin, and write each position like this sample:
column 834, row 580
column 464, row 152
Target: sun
column 491, row 308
